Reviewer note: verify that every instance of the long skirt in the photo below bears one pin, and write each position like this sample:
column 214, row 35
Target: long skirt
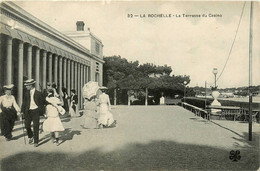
column 9, row 116
column 90, row 119
column 1, row 124
column 74, row 110
column 52, row 125
column 66, row 104
column 106, row 117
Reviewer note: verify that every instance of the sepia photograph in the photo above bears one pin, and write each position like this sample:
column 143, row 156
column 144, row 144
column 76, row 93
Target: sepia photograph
column 129, row 85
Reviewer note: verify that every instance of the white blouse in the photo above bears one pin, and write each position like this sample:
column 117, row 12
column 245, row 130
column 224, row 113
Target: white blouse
column 9, row 101
column 53, row 111
column 104, row 99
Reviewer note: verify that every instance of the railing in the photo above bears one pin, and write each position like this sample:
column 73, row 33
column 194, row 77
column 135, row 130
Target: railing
column 226, row 112
column 197, row 111
column 245, row 114
column 234, row 112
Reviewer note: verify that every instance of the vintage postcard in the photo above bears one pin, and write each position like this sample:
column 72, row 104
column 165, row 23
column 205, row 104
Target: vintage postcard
column 130, row 85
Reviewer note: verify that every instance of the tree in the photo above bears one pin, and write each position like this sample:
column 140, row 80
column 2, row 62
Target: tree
column 119, row 74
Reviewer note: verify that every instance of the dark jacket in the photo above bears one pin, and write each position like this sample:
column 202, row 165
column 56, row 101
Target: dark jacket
column 75, row 98
column 45, row 94
column 38, row 99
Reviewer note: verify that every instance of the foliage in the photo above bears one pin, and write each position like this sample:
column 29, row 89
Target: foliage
column 123, row 75
column 116, row 69
column 213, row 88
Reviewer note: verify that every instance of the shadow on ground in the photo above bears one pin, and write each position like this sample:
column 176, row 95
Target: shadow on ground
column 65, row 135
column 244, row 139
column 157, row 155
column 68, row 134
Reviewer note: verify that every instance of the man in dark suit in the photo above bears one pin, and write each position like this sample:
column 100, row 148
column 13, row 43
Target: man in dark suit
column 32, row 107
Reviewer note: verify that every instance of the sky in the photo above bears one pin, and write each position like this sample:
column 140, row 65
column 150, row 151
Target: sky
column 190, row 45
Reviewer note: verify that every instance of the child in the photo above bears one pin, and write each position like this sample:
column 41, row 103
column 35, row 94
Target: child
column 53, row 123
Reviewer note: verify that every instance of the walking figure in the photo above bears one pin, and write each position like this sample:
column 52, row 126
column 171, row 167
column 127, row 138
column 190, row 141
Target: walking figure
column 53, row 123
column 32, row 107
column 9, row 110
column 105, row 119
column 90, row 117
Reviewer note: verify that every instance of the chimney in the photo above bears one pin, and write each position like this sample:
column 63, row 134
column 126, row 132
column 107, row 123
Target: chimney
column 80, row 25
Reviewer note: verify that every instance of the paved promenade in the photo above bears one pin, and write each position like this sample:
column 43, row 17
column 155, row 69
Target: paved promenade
column 146, row 138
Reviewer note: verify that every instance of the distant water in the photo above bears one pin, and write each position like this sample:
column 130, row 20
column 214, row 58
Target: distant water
column 256, row 99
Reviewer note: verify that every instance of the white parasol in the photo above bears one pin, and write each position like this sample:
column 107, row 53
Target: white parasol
column 90, row 89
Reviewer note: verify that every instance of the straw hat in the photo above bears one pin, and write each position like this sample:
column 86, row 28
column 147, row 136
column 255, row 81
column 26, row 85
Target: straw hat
column 103, row 88
column 29, row 82
column 53, row 100
column 8, row 87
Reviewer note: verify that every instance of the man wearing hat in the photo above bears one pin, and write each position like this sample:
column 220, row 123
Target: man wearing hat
column 9, row 110
column 32, row 107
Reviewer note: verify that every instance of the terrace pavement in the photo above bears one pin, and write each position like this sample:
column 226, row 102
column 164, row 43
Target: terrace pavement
column 146, row 138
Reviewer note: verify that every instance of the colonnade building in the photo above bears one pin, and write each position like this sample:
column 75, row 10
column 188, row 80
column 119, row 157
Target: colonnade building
column 32, row 49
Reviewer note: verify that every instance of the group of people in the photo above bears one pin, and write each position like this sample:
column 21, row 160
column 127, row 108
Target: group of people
column 70, row 104
column 51, row 104
column 101, row 119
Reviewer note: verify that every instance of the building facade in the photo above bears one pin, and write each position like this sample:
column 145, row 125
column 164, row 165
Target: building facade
column 32, row 49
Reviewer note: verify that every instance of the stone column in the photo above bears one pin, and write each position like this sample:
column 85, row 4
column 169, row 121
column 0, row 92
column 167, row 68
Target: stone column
column 101, row 74
column 9, row 72
column 65, row 73
column 29, row 61
column 20, row 74
column 60, row 73
column 87, row 79
column 68, row 79
column 44, row 69
column 81, row 82
column 78, row 80
column 50, row 68
column 72, row 75
column 76, row 77
column 84, row 75
column 37, row 69
column 89, row 73
column 56, row 69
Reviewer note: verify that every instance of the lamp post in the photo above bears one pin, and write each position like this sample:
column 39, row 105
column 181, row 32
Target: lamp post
column 250, row 127
column 215, row 72
column 184, row 93
column 215, row 93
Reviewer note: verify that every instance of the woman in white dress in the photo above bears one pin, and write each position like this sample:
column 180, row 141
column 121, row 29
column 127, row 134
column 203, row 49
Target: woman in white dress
column 105, row 116
column 8, row 111
column 53, row 123
column 90, row 115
